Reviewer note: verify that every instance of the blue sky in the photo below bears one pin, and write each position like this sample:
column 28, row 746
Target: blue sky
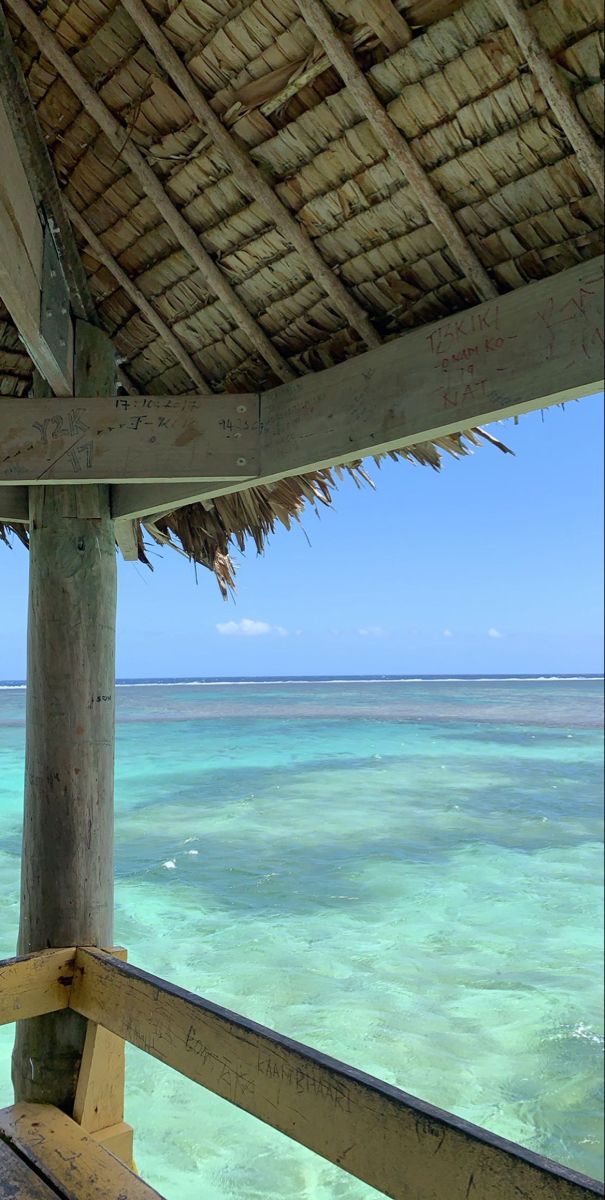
column 495, row 565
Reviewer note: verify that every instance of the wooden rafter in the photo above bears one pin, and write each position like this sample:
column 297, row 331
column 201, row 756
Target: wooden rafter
column 38, row 166
column 136, row 295
column 213, row 277
column 539, row 345
column 361, row 91
column 556, row 93
column 249, row 175
column 25, row 244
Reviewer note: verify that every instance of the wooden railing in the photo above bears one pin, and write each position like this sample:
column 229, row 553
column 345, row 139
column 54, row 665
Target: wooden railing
column 398, row 1144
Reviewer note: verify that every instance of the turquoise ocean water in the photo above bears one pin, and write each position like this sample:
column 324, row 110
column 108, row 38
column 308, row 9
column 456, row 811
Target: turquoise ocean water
column 404, row 874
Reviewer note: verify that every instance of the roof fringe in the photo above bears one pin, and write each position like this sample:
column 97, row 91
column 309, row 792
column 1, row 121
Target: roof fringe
column 205, row 533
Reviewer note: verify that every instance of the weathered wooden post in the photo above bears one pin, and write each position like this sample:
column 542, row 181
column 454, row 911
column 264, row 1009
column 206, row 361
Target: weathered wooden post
column 67, row 864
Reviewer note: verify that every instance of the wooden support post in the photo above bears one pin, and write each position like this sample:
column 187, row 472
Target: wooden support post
column 67, row 866
column 99, row 1099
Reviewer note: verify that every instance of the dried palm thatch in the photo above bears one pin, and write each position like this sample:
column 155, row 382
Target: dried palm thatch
column 264, row 188
column 205, row 532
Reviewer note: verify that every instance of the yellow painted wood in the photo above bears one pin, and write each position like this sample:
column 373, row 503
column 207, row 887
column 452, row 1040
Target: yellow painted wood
column 398, row 1144
column 99, row 1100
column 18, row 1181
column 71, row 1161
column 118, row 1139
column 35, row 984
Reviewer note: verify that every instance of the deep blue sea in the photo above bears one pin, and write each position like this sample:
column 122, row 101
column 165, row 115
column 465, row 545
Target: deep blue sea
column 404, row 873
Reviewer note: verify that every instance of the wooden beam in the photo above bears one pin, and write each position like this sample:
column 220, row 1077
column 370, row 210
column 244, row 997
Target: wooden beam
column 35, row 157
column 132, row 500
column 132, row 438
column 537, row 346
column 74, row 1164
column 398, row 1144
column 126, row 538
column 14, row 505
column 18, row 1179
column 25, row 276
column 35, row 984
column 119, row 1140
column 33, row 285
column 99, row 1100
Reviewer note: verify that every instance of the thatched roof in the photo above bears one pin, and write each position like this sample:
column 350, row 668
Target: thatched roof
column 467, row 167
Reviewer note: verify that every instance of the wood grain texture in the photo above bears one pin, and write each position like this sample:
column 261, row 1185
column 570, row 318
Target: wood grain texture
column 34, row 154
column 135, row 438
column 142, row 500
column 126, row 538
column 99, row 1099
column 538, row 346
column 35, row 984
column 73, row 1163
column 21, row 256
column 400, row 1145
column 119, row 1140
column 14, row 504
column 67, row 860
column 18, row 1181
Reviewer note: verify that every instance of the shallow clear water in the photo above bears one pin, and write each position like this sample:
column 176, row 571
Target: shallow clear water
column 406, row 875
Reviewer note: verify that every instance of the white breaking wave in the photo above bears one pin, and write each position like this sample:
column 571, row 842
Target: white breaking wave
column 347, row 679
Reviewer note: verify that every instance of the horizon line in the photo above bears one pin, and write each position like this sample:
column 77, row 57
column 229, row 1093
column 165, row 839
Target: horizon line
column 285, row 677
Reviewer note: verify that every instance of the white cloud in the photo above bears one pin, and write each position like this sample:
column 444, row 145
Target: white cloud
column 371, row 631
column 494, row 633
column 248, row 628
column 447, row 633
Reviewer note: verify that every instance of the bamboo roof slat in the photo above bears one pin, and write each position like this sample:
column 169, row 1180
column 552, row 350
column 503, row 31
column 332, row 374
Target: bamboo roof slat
column 452, row 82
column 51, row 48
column 582, row 140
column 396, row 145
column 136, row 295
column 248, row 173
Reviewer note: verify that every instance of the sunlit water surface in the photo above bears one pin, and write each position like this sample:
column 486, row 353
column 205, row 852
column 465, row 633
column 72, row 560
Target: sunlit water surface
column 406, row 875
